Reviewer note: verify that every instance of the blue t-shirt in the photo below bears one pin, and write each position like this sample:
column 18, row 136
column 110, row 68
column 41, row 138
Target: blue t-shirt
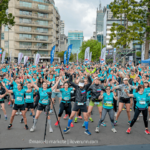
column 29, row 97
column 141, row 100
column 15, row 85
column 4, row 70
column 66, row 95
column 19, row 96
column 6, row 81
column 44, row 99
column 108, row 101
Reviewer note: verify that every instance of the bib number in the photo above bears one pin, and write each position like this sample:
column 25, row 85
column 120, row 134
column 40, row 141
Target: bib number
column 96, row 103
column 45, row 101
column 28, row 97
column 142, row 102
column 66, row 98
column 108, row 104
column 80, row 104
column 19, row 98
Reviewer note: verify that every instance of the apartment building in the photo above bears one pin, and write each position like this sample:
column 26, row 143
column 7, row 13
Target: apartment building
column 37, row 28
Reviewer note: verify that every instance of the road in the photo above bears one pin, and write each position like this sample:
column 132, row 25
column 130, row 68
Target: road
column 18, row 137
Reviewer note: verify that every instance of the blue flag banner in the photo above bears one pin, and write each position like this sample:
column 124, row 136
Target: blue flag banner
column 52, row 54
column 69, row 53
column 65, row 53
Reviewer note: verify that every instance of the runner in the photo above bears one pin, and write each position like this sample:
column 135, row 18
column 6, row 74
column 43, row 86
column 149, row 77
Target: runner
column 43, row 102
column 141, row 106
column 107, row 107
column 80, row 102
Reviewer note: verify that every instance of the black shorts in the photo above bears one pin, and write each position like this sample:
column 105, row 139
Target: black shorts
column 124, row 100
column 29, row 105
column 1, row 102
column 41, row 107
column 76, row 107
column 20, row 107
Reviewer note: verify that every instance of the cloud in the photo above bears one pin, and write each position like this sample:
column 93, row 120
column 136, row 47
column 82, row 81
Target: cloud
column 79, row 15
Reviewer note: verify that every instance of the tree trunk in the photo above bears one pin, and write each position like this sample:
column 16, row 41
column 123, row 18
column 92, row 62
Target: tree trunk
column 147, row 37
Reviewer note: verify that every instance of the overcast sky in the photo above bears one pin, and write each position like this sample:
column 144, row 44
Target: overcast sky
column 79, row 14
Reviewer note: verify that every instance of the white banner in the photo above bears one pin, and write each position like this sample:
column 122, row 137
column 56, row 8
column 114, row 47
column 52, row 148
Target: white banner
column 25, row 59
column 37, row 58
column 90, row 56
column 3, row 56
column 87, row 55
column 20, row 56
column 103, row 55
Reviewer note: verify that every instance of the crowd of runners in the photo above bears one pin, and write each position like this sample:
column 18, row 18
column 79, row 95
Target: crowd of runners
column 78, row 88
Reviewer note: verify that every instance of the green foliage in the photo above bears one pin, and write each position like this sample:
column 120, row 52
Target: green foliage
column 138, row 54
column 4, row 18
column 109, row 60
column 123, row 31
column 95, row 48
column 61, row 55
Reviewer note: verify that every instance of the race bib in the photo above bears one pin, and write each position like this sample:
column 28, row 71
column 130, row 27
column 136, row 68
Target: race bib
column 19, row 98
column 108, row 104
column 96, row 103
column 79, row 104
column 66, row 98
column 142, row 102
column 45, row 101
column 28, row 97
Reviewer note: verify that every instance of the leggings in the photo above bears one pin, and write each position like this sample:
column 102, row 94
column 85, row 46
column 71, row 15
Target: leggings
column 111, row 116
column 134, row 99
column 62, row 107
column 115, row 105
column 136, row 114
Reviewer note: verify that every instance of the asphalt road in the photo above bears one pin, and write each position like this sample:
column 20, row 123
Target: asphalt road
column 18, row 137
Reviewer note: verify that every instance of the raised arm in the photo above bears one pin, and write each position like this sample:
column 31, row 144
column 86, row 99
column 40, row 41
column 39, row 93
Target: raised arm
column 130, row 95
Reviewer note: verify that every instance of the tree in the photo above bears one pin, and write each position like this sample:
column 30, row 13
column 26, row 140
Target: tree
column 5, row 19
column 129, row 28
column 145, row 11
column 95, row 48
column 61, row 55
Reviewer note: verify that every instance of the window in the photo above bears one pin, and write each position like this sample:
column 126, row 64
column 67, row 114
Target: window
column 25, row 44
column 2, row 36
column 24, row 20
column 42, row 6
column 42, row 45
column 43, row 52
column 42, row 15
column 27, row 29
column 42, row 37
column 41, row 22
column 25, row 4
column 25, row 36
column 6, row 44
column 6, row 28
column 26, row 52
column 22, row 12
column 42, row 1
column 42, row 30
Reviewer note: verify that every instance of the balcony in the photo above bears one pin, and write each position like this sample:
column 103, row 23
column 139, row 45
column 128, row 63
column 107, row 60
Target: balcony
column 33, row 8
column 25, row 47
column 57, row 16
column 57, row 30
column 34, row 40
column 34, row 15
column 57, row 36
column 57, row 22
column 35, row 32
column 30, row 23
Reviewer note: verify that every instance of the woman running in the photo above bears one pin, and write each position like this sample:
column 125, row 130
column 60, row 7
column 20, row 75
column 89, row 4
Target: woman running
column 107, row 107
column 2, row 95
column 65, row 103
column 19, row 103
column 142, row 99
column 43, row 102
